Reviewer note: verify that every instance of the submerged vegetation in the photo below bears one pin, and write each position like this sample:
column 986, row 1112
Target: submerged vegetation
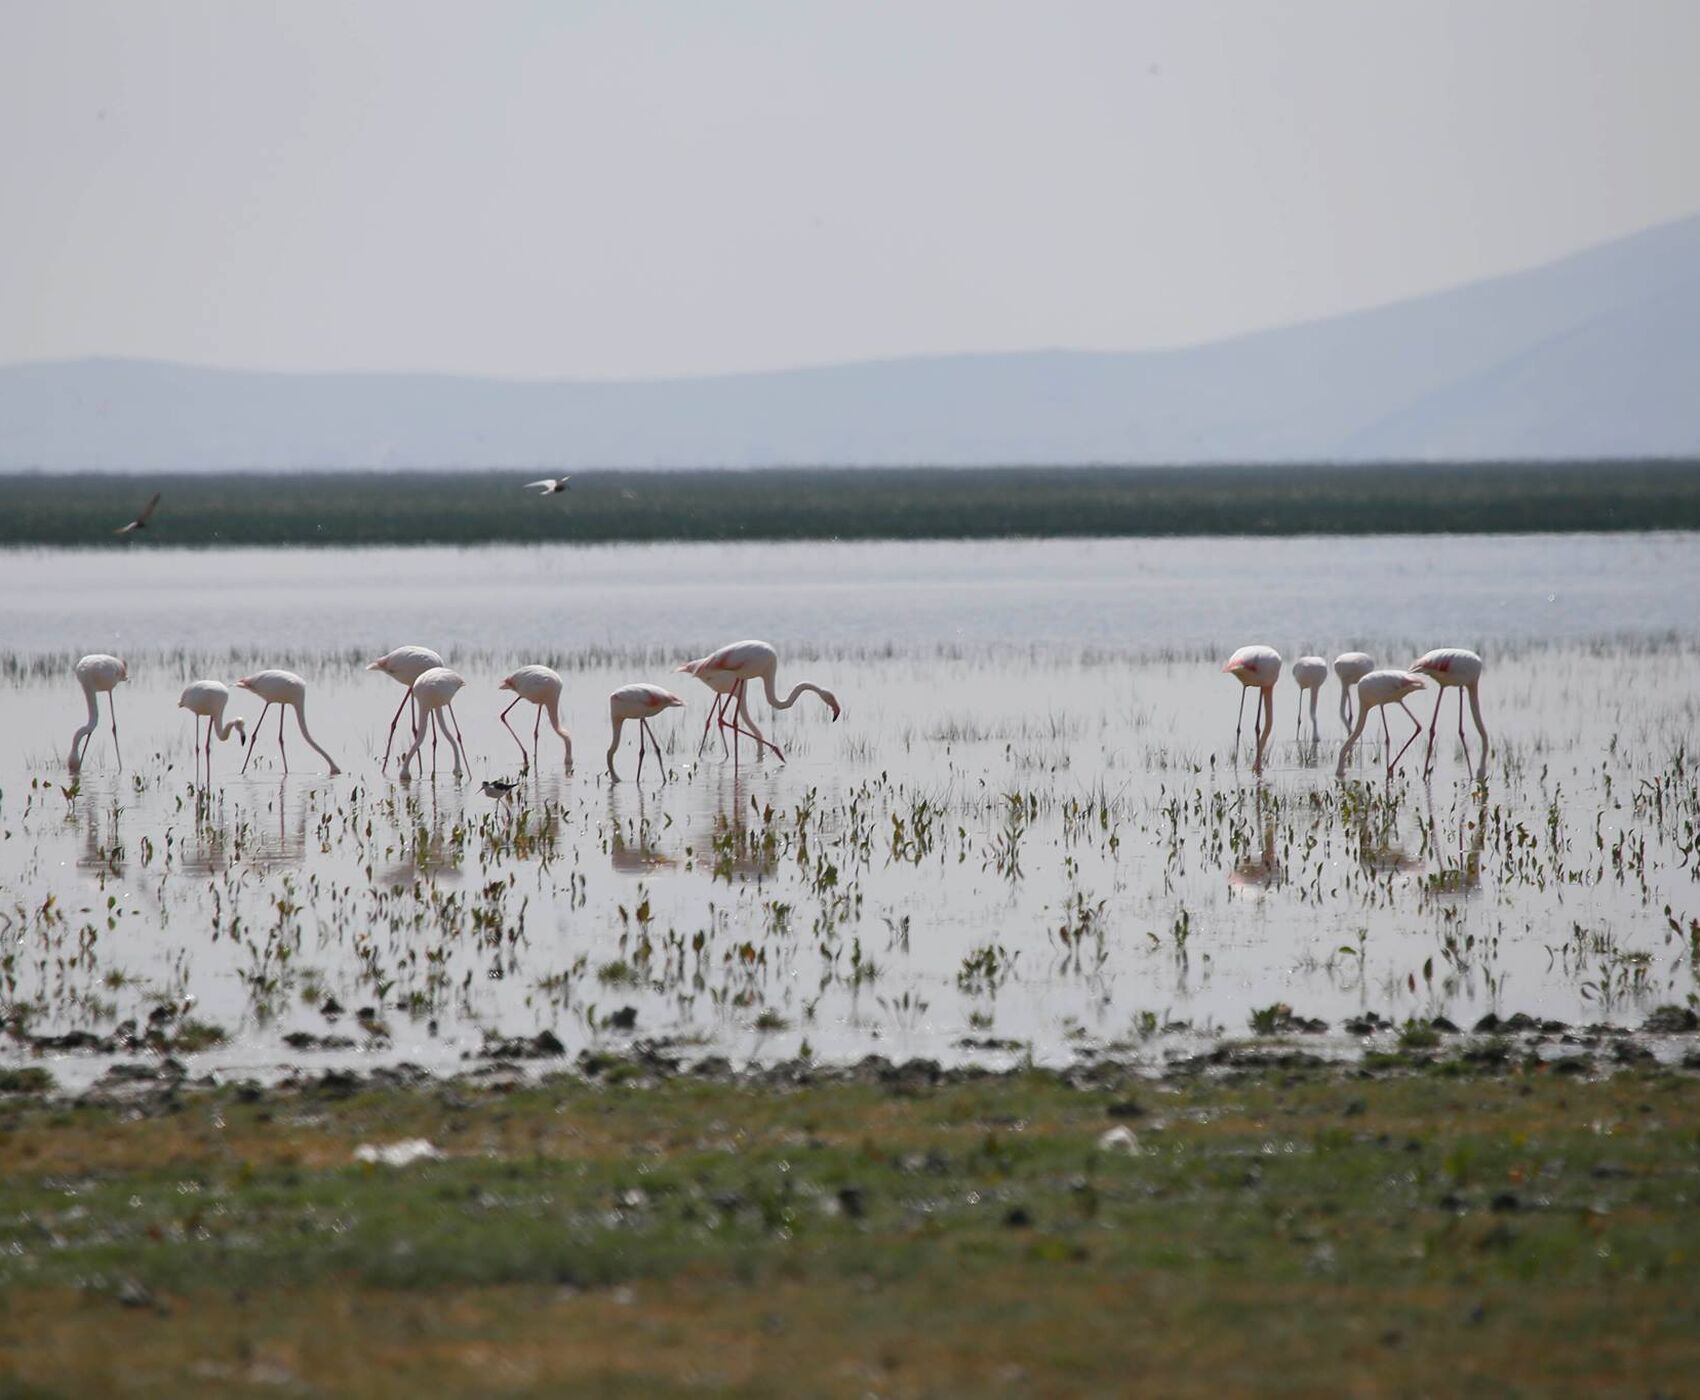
column 387, row 508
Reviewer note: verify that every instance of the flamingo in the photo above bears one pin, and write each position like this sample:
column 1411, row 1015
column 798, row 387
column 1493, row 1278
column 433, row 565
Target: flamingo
column 206, row 700
column 97, row 673
column 642, row 703
column 542, row 687
column 1256, row 667
column 435, row 692
column 283, row 689
column 1378, row 689
column 1351, row 667
column 406, row 665
column 1460, row 670
column 728, row 673
column 1310, row 672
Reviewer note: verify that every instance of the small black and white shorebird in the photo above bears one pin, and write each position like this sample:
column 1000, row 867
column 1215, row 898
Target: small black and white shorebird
column 550, row 485
column 141, row 520
column 494, row 787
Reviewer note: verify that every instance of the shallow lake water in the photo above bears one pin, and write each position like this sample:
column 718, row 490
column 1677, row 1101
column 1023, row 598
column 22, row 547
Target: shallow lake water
column 1030, row 833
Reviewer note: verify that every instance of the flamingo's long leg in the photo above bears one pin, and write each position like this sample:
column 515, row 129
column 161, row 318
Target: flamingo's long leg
column 1413, row 739
column 112, row 709
column 660, row 758
column 254, row 742
column 280, row 748
column 1386, row 734
column 716, row 712
column 743, row 715
column 1266, row 711
column 1239, row 719
column 1439, row 700
column 536, row 729
column 523, row 760
column 1462, row 741
column 395, row 719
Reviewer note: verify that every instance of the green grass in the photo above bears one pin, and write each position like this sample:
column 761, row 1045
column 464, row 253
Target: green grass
column 873, row 503
column 1279, row 1232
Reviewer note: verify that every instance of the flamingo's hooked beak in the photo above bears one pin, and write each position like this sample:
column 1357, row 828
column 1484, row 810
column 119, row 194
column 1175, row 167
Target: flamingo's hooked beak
column 377, row 665
column 1236, row 667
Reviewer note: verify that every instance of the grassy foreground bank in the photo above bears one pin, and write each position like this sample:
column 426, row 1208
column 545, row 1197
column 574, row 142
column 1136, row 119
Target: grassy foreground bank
column 852, row 504
column 1283, row 1231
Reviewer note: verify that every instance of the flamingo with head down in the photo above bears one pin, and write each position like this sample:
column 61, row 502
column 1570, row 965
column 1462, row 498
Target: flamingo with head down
column 1376, row 691
column 206, row 700
column 1256, row 668
column 95, row 674
column 1460, row 670
column 641, row 703
column 729, row 671
column 1310, row 672
column 286, row 690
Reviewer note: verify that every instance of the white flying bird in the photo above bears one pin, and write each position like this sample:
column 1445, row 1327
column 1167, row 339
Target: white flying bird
column 549, row 485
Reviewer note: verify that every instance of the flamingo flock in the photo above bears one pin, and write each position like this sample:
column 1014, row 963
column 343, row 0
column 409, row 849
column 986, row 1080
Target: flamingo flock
column 431, row 691
column 1259, row 667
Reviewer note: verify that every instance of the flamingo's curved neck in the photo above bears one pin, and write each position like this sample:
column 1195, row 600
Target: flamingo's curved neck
column 613, row 747
column 801, row 688
column 301, row 724
column 90, row 727
column 552, row 707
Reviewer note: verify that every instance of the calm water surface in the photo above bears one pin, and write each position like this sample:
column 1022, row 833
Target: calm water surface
column 1028, row 831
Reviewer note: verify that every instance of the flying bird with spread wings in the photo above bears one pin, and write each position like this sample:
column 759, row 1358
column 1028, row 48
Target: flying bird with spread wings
column 141, row 520
column 550, row 486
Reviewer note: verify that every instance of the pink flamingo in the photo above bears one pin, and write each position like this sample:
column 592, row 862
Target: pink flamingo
column 404, row 665
column 206, row 700
column 284, row 689
column 1454, row 668
column 97, row 673
column 642, row 703
column 434, row 692
column 728, row 673
column 1256, row 667
column 1310, row 672
column 542, row 687
column 1351, row 667
column 1376, row 691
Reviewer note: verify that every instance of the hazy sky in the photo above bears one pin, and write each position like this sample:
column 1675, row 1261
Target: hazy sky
column 633, row 189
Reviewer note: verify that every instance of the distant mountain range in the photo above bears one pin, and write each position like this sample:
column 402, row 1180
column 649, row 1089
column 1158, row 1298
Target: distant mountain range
column 1596, row 355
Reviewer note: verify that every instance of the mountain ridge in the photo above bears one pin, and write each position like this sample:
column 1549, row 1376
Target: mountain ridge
column 1592, row 354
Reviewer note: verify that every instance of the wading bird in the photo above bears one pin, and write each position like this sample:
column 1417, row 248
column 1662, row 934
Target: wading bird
column 728, row 673
column 97, row 673
column 1351, row 667
column 1375, row 691
column 496, row 788
column 405, row 665
column 435, row 692
column 1310, row 672
column 550, row 486
column 141, row 520
column 284, row 689
column 1256, row 668
column 206, row 700
column 642, row 703
column 542, row 687
column 1460, row 670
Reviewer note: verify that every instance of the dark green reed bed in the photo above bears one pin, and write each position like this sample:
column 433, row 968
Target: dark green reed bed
column 872, row 503
column 1475, row 1225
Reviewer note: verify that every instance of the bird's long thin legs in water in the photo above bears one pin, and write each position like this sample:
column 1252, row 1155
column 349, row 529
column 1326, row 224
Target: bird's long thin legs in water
column 1266, row 713
column 536, row 729
column 1239, row 719
column 395, row 719
column 716, row 711
column 749, row 725
column 1462, row 741
column 1434, row 724
column 524, row 762
column 1413, row 739
column 282, row 752
column 112, row 709
column 259, row 724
